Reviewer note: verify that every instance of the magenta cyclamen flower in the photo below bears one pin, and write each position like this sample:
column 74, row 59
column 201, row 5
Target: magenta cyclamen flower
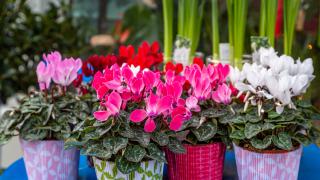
column 112, row 107
column 155, row 105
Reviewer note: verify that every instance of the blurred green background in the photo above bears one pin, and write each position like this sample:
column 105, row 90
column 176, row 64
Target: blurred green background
column 30, row 28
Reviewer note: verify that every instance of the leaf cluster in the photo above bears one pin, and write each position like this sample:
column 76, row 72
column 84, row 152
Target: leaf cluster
column 205, row 127
column 121, row 141
column 273, row 131
column 43, row 117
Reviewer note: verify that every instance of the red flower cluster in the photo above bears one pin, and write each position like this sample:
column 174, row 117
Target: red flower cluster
column 147, row 56
column 97, row 63
column 178, row 68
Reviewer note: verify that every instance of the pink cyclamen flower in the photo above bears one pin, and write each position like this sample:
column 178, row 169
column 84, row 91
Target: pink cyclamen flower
column 113, row 106
column 192, row 104
column 44, row 74
column 66, row 71
column 178, row 116
column 155, row 105
column 222, row 94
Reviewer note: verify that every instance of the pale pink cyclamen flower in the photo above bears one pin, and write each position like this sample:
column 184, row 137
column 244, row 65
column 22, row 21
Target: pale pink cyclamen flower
column 155, row 106
column 46, row 69
column 112, row 104
column 44, row 74
column 222, row 94
column 192, row 104
column 66, row 71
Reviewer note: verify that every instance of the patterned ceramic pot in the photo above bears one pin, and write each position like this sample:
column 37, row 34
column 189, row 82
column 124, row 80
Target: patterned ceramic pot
column 48, row 160
column 267, row 166
column 198, row 163
column 148, row 170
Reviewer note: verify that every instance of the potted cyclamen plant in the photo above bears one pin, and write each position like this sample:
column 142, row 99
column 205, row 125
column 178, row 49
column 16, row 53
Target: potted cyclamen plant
column 273, row 123
column 121, row 146
column 201, row 100
column 45, row 118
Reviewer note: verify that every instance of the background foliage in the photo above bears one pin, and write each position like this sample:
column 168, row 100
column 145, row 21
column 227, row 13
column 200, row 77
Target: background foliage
column 26, row 35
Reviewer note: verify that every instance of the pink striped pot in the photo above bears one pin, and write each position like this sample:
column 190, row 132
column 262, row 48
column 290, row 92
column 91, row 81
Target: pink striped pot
column 48, row 160
column 267, row 166
column 198, row 163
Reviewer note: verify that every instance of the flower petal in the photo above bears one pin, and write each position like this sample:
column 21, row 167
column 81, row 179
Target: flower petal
column 138, row 115
column 149, row 126
column 176, row 123
column 101, row 115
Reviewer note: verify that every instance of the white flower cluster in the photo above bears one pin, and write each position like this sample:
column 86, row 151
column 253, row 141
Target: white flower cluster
column 273, row 77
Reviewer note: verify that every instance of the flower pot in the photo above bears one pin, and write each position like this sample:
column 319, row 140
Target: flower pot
column 267, row 166
column 199, row 162
column 147, row 170
column 48, row 160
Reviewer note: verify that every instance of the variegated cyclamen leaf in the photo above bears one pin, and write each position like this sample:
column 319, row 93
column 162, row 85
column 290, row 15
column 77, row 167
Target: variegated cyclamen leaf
column 282, row 141
column 261, row 144
column 301, row 138
column 176, row 146
column 251, row 130
column 155, row 153
column 125, row 166
column 237, row 134
column 142, row 137
column 206, row 131
column 161, row 138
column 134, row 153
column 213, row 113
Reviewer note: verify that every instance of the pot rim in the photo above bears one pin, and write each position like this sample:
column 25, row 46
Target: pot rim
column 203, row 145
column 97, row 158
column 41, row 140
column 278, row 151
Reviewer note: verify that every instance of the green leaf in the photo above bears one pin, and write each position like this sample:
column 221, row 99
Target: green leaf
column 273, row 115
column 251, row 130
column 96, row 151
column 176, row 146
column 206, row 131
column 213, row 113
column 135, row 153
column 267, row 126
column 282, row 141
column 238, row 119
column 303, row 139
column 115, row 143
column 161, row 138
column 304, row 103
column 127, row 132
column 237, row 134
column 261, row 144
column 252, row 118
column 142, row 137
column 125, row 166
column 155, row 153
column 72, row 142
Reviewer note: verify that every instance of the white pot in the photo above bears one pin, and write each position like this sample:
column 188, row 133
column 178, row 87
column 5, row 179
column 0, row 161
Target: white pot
column 152, row 170
column 267, row 166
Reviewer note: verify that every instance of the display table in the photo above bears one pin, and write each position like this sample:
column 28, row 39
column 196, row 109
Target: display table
column 309, row 167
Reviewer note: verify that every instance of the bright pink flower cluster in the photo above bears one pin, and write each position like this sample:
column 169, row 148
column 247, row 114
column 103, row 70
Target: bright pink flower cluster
column 159, row 98
column 62, row 72
column 209, row 82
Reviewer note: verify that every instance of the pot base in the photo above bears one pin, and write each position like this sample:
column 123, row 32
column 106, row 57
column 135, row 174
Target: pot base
column 267, row 166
